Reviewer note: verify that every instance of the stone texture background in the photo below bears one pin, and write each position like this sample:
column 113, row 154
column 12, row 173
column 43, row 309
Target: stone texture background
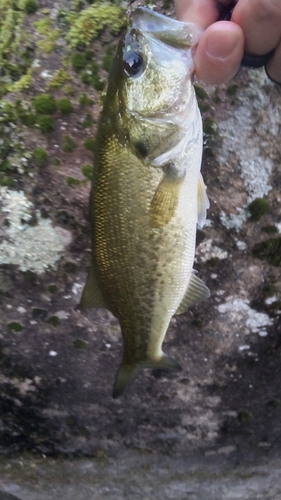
column 212, row 431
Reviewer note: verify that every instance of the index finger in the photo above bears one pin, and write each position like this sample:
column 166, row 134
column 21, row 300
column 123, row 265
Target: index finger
column 201, row 12
column 261, row 23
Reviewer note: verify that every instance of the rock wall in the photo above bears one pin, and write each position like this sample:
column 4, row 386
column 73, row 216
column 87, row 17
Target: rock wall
column 58, row 364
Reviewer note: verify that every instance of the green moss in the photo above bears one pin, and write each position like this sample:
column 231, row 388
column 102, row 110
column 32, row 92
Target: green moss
column 38, row 313
column 40, row 156
column 15, row 58
column 12, row 148
column 30, row 6
column 68, row 90
column 269, row 250
column 65, row 219
column 209, row 126
column 6, row 180
column 200, row 93
column 203, row 106
column 216, row 97
column 86, row 78
column 70, row 267
column 68, row 144
column 232, row 89
column 45, row 124
column 44, row 213
column 97, row 83
column 167, row 4
column 60, row 77
column 72, row 181
column 53, row 320
column 258, row 208
column 50, row 35
column 269, row 288
column 84, row 100
column 208, row 152
column 273, row 403
column 22, row 84
column 78, row 61
column 87, row 171
column 270, row 229
column 245, row 416
column 15, row 326
column 64, row 105
column 45, row 104
column 79, row 344
column 88, row 121
column 90, row 144
column 43, row 26
column 91, row 21
column 52, row 289
column 25, row 114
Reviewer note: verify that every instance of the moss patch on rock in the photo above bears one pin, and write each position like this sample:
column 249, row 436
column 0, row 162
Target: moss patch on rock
column 258, row 208
column 89, row 23
column 269, row 250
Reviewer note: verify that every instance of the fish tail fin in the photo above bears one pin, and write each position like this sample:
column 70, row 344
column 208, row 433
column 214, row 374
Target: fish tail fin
column 166, row 363
column 127, row 373
column 125, row 377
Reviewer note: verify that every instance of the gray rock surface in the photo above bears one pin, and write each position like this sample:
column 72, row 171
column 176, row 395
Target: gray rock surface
column 211, row 432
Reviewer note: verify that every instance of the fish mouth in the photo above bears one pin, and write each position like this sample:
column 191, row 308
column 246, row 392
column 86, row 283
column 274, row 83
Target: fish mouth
column 170, row 31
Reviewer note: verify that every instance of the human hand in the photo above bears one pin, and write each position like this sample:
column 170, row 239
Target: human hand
column 255, row 28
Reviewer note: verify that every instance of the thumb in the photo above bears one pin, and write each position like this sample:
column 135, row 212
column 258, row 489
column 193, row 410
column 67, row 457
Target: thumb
column 219, row 53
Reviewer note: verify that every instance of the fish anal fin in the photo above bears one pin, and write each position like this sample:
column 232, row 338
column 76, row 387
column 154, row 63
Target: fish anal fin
column 92, row 295
column 195, row 293
column 202, row 201
column 165, row 200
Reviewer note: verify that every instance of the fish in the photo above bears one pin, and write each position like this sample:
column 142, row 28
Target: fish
column 147, row 194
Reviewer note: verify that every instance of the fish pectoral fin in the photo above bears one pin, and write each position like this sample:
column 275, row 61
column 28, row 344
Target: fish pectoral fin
column 92, row 296
column 128, row 372
column 195, row 293
column 202, row 201
column 165, row 200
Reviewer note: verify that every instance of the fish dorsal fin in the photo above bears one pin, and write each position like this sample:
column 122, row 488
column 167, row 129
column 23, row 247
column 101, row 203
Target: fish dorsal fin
column 196, row 291
column 92, row 296
column 202, row 201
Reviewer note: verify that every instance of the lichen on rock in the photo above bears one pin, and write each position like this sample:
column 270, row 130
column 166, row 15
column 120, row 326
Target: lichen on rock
column 33, row 248
column 255, row 118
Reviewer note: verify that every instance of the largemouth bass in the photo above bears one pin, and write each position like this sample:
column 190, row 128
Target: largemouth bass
column 147, row 192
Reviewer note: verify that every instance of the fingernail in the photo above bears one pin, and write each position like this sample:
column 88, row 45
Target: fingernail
column 220, row 45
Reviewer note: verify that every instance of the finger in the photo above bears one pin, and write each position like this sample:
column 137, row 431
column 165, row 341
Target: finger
column 219, row 53
column 201, row 12
column 273, row 67
column 261, row 22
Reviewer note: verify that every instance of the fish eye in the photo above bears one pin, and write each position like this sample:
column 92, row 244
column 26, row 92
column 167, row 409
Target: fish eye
column 133, row 63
